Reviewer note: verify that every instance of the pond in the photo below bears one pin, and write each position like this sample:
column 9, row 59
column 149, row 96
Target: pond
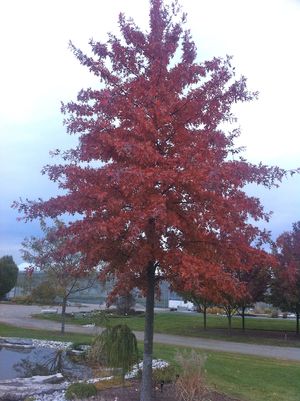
column 40, row 361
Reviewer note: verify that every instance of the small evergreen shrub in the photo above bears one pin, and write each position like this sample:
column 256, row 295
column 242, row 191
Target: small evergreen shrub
column 166, row 374
column 80, row 390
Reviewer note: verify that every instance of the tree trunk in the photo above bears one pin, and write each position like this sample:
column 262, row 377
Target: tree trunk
column 146, row 387
column 204, row 317
column 297, row 322
column 243, row 318
column 63, row 314
column 229, row 321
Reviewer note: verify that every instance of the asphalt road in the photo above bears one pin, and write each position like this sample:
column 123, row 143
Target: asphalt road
column 20, row 316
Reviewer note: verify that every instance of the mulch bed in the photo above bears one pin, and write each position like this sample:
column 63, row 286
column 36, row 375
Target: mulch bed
column 131, row 393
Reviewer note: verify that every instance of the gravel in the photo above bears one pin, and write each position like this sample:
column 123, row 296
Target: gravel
column 51, row 344
column 56, row 396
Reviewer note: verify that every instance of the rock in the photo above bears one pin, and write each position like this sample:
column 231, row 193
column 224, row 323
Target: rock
column 16, row 342
column 52, row 379
column 20, row 388
column 49, row 311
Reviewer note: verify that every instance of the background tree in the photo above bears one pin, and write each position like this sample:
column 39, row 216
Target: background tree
column 8, row 274
column 257, row 282
column 230, row 293
column 27, row 281
column 45, row 293
column 64, row 271
column 156, row 183
column 201, row 303
column 202, row 291
column 285, row 284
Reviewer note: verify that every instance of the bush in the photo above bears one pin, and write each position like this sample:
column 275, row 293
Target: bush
column 274, row 314
column 165, row 375
column 215, row 310
column 80, row 390
column 23, row 300
column 190, row 384
column 44, row 293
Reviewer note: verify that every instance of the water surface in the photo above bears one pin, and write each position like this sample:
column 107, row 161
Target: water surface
column 15, row 362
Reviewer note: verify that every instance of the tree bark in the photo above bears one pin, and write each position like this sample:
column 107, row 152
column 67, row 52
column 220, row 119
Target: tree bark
column 204, row 317
column 146, row 387
column 63, row 315
column 229, row 314
column 297, row 322
column 243, row 318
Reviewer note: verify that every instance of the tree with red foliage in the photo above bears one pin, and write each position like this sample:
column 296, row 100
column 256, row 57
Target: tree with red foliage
column 224, row 290
column 256, row 281
column 200, row 301
column 285, row 285
column 236, row 291
column 156, row 183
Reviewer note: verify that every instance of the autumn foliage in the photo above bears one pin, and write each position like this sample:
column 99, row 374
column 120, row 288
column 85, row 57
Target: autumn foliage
column 285, row 283
column 156, row 182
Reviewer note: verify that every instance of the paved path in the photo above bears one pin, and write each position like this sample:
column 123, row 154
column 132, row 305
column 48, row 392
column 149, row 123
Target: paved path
column 19, row 315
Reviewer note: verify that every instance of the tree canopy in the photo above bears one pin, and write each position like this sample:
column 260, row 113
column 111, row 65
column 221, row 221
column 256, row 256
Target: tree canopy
column 8, row 274
column 285, row 285
column 156, row 182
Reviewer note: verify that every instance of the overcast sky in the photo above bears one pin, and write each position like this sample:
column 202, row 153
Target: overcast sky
column 38, row 71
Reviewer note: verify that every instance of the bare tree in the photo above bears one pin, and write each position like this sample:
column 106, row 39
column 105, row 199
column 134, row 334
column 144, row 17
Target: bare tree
column 64, row 271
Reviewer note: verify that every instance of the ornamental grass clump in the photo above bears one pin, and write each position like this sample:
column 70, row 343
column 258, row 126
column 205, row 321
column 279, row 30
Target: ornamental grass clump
column 190, row 384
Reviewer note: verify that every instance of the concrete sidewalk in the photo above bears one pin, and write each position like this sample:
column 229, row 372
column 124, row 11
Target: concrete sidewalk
column 20, row 316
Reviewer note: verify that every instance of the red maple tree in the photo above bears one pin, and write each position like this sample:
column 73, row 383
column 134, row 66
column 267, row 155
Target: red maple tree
column 156, row 183
column 256, row 281
column 285, row 285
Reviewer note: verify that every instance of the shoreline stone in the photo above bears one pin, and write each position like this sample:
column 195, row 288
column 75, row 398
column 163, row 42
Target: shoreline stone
column 13, row 342
column 20, row 388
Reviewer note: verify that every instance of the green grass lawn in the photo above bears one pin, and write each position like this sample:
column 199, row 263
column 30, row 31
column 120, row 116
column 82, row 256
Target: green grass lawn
column 258, row 330
column 12, row 331
column 246, row 377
